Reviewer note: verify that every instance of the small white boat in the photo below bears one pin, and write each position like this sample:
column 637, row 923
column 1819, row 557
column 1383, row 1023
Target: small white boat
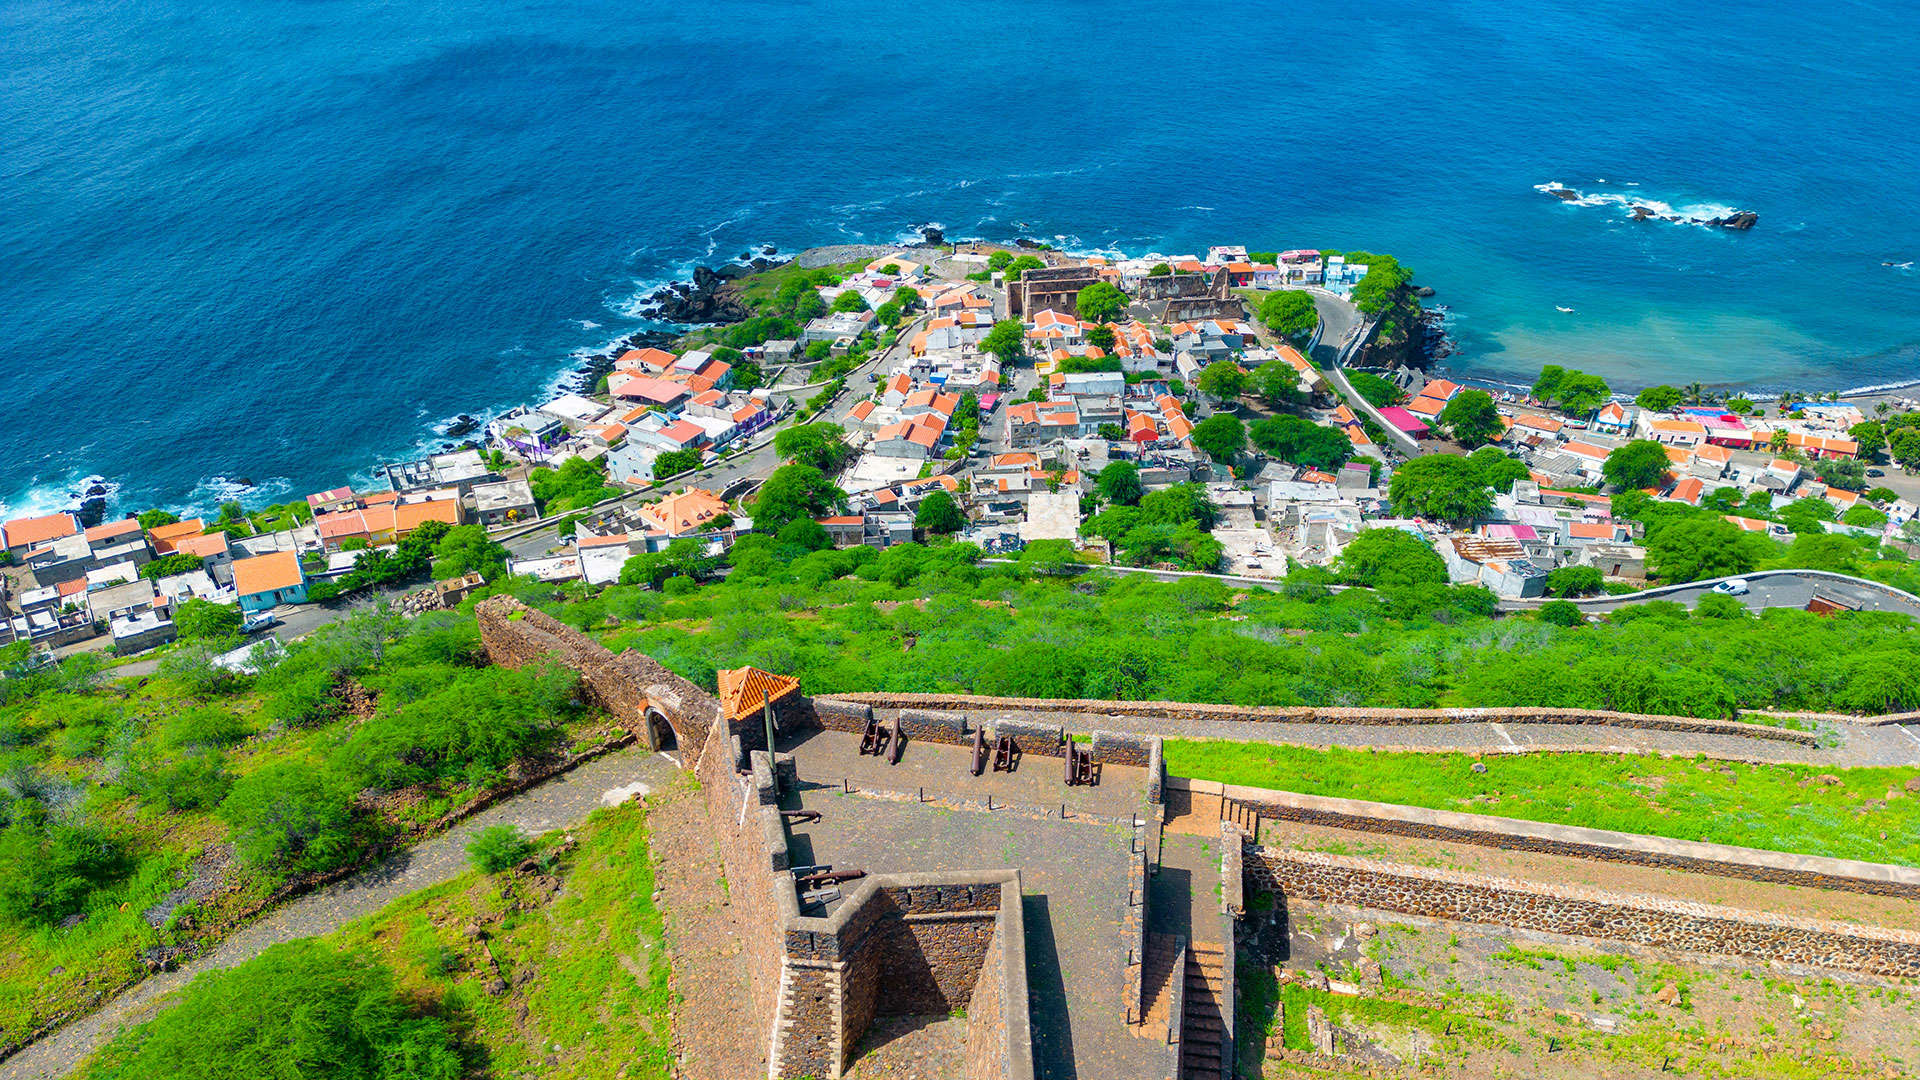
column 1563, row 310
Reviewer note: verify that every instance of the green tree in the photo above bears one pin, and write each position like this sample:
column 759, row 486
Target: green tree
column 1639, row 464
column 1007, row 340
column 1863, row 515
column 1221, row 436
column 1871, row 435
column 1379, row 392
column 1498, row 469
column 1289, row 314
column 1222, row 380
column 809, row 304
column 1580, row 393
column 1547, row 387
column 153, row 519
column 1112, row 432
column 1659, row 398
column 1472, row 418
column 1301, row 441
column 1160, row 270
column 1119, row 483
column 301, row 1010
column 848, row 301
column 1384, row 283
column 577, row 483
column 467, row 549
column 1100, row 302
column 1697, row 546
column 1904, row 443
column 939, row 514
column 1277, row 384
column 497, row 847
column 204, row 620
column 1101, row 337
column 793, row 492
column 1440, row 487
column 1574, row 581
column 1390, row 558
column 674, row 462
column 821, row 445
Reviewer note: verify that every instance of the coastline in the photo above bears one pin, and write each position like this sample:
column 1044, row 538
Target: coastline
column 652, row 304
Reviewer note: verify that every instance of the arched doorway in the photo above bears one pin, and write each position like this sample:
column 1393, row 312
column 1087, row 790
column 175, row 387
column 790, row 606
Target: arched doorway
column 660, row 731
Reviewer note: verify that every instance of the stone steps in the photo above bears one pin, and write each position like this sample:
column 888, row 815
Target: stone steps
column 1203, row 1025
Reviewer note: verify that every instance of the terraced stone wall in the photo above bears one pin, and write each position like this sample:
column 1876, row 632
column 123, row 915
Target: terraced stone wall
column 1697, row 929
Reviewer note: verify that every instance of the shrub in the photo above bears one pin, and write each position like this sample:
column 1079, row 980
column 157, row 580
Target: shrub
column 288, row 816
column 497, row 847
column 52, row 868
column 1561, row 613
column 298, row 1010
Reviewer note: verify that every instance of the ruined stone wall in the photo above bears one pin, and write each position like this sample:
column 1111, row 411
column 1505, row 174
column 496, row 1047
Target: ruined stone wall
column 1184, row 710
column 623, row 686
column 1511, row 834
column 1699, row 929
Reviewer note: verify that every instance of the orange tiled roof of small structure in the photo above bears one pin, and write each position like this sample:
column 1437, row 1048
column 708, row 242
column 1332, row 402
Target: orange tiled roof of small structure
column 742, row 690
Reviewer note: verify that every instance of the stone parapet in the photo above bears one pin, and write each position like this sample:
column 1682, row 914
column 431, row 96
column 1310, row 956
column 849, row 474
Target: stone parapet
column 1182, row 710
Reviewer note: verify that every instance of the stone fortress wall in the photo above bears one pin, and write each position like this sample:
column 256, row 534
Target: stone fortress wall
column 897, row 944
column 938, row 942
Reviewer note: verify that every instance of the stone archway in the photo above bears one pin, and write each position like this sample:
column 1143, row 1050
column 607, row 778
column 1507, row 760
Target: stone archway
column 661, row 734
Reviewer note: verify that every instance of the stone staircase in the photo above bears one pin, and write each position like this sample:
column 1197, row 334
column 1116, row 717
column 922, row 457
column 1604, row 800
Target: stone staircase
column 1158, row 1005
column 1202, row 1027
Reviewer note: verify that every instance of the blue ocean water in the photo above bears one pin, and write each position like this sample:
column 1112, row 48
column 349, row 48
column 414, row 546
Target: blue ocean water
column 280, row 241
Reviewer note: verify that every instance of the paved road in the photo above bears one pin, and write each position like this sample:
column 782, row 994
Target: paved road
column 561, row 802
column 1775, row 589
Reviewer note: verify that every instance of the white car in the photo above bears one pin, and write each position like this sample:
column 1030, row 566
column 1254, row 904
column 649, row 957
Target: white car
column 1732, row 587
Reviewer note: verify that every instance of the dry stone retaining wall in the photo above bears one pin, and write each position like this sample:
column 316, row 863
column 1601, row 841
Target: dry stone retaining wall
column 1182, row 710
column 1699, row 929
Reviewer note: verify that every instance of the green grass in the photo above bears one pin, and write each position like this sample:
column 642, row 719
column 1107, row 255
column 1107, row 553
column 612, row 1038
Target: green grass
column 1778, row 807
column 598, row 967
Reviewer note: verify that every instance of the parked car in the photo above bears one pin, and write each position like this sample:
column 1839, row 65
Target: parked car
column 1876, row 473
column 1733, row 587
column 258, row 621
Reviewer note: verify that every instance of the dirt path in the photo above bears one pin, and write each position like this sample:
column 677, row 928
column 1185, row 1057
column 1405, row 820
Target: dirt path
column 560, row 802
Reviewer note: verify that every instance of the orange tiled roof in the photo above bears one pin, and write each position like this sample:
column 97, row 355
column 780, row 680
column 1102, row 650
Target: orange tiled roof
column 744, row 690
column 265, row 573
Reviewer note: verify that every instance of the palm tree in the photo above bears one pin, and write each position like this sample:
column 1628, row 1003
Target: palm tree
column 1692, row 392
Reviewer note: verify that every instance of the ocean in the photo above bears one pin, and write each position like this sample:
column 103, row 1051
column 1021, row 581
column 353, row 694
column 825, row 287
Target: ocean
column 255, row 249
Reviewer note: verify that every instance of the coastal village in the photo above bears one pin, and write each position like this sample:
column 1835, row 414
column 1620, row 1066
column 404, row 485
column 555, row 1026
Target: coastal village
column 1004, row 397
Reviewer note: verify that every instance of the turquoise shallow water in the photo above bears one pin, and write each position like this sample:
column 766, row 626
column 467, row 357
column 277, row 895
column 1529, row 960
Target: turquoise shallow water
column 281, row 241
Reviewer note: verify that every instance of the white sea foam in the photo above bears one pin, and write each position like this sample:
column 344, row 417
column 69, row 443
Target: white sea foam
column 53, row 496
column 1697, row 213
column 211, row 491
